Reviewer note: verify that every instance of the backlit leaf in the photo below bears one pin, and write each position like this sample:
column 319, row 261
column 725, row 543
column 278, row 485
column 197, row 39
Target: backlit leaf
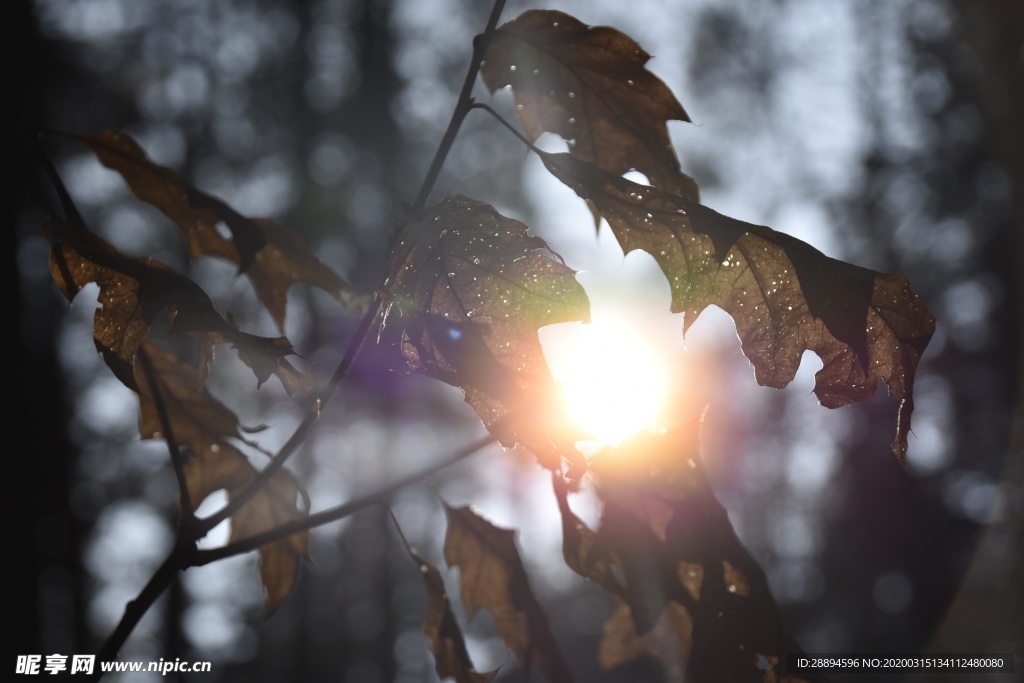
column 272, row 257
column 668, row 640
column 199, row 420
column 279, row 502
column 783, row 294
column 469, row 288
column 589, row 85
column 208, row 428
column 492, row 576
column 692, row 593
column 134, row 292
column 451, row 660
column 582, row 551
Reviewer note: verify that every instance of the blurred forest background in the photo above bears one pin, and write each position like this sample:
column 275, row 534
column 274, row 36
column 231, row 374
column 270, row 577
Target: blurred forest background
column 887, row 133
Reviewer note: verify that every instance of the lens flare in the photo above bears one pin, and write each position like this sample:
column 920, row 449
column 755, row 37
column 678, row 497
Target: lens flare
column 613, row 380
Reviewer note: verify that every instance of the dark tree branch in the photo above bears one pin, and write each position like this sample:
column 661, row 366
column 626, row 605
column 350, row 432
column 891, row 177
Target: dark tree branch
column 137, row 608
column 339, row 512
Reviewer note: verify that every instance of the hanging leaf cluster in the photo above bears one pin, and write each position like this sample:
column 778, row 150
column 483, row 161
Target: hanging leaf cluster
column 687, row 593
column 138, row 295
column 784, row 296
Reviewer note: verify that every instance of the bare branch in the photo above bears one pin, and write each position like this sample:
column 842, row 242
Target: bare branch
column 339, row 512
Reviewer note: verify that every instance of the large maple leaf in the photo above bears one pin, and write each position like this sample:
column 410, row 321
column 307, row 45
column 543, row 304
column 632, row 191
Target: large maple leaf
column 469, row 288
column 589, row 85
column 784, row 295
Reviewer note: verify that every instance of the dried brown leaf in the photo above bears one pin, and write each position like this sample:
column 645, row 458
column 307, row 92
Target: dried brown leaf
column 208, row 428
column 783, row 294
column 199, row 420
column 469, row 288
column 134, row 292
column 285, row 260
column 279, row 502
column 581, row 549
column 443, row 631
column 272, row 257
column 691, row 588
column 589, row 85
column 669, row 640
column 493, row 577
column 266, row 356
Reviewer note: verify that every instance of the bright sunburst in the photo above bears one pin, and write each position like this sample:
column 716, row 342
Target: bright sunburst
column 614, row 381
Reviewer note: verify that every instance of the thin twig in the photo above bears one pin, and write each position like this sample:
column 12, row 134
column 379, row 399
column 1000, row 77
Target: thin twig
column 245, row 545
column 300, row 433
column 462, row 107
column 67, row 204
column 398, row 527
column 185, row 499
column 185, row 555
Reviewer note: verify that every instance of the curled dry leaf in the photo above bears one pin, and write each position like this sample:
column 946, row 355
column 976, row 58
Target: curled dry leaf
column 279, row 502
column 589, row 85
column 208, row 428
column 469, row 288
column 265, row 356
column 119, row 327
column 199, row 420
column 134, row 292
column 273, row 258
column 442, row 628
column 784, row 295
column 493, row 577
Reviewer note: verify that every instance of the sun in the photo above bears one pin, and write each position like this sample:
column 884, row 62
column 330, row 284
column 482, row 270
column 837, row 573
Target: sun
column 614, row 380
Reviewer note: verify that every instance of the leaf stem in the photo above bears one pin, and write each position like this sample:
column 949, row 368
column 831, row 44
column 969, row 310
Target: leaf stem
column 398, row 527
column 462, row 107
column 202, row 557
column 64, row 197
column 501, row 119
